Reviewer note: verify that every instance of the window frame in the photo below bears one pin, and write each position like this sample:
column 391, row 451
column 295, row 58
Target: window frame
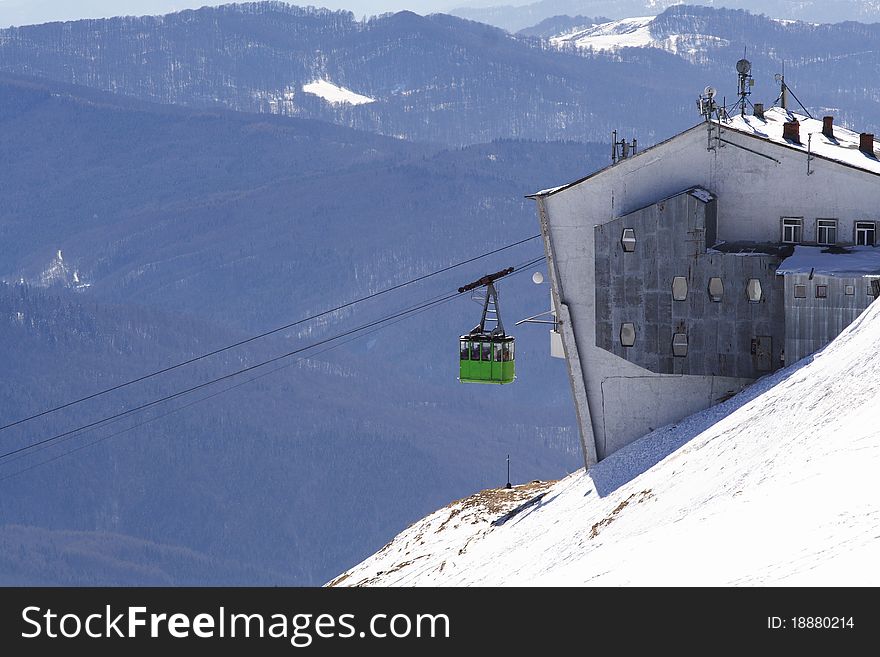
column 760, row 288
column 865, row 227
column 677, row 343
column 683, row 279
column 821, row 291
column 820, row 228
column 800, row 287
column 620, row 334
column 795, row 223
column 716, row 298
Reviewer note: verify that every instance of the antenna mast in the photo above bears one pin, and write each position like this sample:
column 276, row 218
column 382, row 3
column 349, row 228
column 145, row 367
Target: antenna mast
column 746, row 82
column 783, row 90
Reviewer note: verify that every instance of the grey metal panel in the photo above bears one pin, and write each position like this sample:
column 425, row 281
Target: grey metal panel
column 637, row 287
column 711, row 220
column 811, row 322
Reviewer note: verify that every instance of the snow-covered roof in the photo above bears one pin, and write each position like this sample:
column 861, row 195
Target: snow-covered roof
column 844, row 147
column 837, row 261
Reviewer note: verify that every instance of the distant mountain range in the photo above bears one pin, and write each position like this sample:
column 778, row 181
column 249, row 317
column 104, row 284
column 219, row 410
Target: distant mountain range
column 434, row 79
column 825, row 64
column 515, row 18
column 441, row 79
column 556, row 25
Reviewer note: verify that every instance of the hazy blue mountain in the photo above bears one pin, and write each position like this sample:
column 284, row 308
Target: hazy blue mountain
column 28, row 12
column 193, row 229
column 436, row 79
column 444, row 80
column 515, row 18
column 829, row 67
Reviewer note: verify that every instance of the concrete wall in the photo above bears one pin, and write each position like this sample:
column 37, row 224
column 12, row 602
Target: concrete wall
column 757, row 192
column 636, row 287
column 753, row 194
column 813, row 322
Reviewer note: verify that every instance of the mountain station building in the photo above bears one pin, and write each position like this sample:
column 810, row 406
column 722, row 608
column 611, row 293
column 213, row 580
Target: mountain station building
column 684, row 272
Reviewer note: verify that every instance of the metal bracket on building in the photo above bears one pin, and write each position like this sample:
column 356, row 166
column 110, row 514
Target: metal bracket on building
column 534, row 320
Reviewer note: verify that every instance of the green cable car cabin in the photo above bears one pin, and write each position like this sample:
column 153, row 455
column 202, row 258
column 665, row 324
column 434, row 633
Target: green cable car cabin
column 487, row 356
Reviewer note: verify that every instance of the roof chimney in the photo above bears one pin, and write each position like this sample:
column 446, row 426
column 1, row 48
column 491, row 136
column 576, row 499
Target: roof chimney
column 828, row 126
column 759, row 110
column 866, row 143
column 791, row 130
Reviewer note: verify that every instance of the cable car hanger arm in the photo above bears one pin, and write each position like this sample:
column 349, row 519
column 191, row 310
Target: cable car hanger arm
column 486, row 280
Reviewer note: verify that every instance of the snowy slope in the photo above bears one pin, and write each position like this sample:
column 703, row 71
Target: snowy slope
column 774, row 486
column 634, row 33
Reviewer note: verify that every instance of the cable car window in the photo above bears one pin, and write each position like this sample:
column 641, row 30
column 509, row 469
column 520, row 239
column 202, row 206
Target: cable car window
column 511, row 351
column 475, row 351
column 486, row 352
column 464, row 350
column 505, row 352
column 498, row 353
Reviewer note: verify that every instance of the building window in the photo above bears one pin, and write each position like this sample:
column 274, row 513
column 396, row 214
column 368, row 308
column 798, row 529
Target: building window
column 865, row 233
column 679, row 288
column 874, row 288
column 628, row 334
column 800, row 291
column 821, row 291
column 826, row 231
column 753, row 289
column 716, row 289
column 792, row 229
column 849, row 290
column 680, row 345
column 628, row 240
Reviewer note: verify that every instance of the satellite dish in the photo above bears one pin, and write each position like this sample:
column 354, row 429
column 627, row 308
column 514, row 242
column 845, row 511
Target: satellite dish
column 537, row 278
column 709, row 92
column 743, row 67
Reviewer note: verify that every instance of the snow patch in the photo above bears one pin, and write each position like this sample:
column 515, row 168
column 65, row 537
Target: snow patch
column 853, row 261
column 334, row 94
column 635, row 33
column 59, row 272
column 625, row 33
column 704, row 195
